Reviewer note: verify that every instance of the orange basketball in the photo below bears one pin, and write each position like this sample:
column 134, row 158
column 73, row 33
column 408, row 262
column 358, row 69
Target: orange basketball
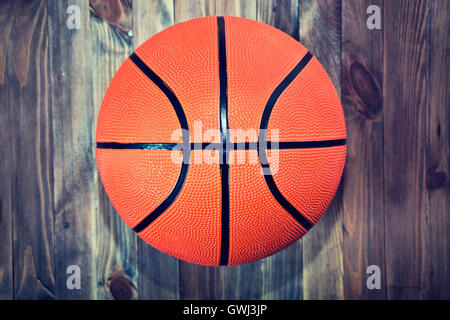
column 221, row 141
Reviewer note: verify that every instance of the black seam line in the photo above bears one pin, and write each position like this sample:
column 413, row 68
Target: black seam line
column 304, row 222
column 139, row 145
column 186, row 137
column 217, row 146
column 224, row 129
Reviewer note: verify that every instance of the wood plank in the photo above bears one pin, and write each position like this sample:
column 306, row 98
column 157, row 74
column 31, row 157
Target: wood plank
column 74, row 182
column 196, row 281
column 438, row 150
column 31, row 184
column 151, row 17
column 116, row 12
column 320, row 32
column 404, row 83
column 7, row 159
column 191, row 9
column 363, row 195
column 6, row 22
column 158, row 272
column 237, row 282
column 281, row 274
column 282, row 14
column 237, row 8
column 116, row 243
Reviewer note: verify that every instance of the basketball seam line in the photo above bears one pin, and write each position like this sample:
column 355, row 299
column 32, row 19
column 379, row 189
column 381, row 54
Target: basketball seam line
column 299, row 217
column 224, row 128
column 236, row 146
column 151, row 217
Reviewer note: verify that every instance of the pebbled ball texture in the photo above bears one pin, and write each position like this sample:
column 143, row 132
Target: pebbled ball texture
column 258, row 59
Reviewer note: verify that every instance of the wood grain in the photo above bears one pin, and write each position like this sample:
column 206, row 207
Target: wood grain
column 363, row 196
column 404, row 86
column 237, row 8
column 7, row 159
column 146, row 23
column 438, row 150
column 320, row 31
column 75, row 202
column 32, row 178
column 116, row 12
column 282, row 14
column 191, row 9
column 116, row 244
column 6, row 22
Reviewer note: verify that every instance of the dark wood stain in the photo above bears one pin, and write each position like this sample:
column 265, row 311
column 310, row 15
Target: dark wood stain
column 116, row 12
column 8, row 159
column 366, row 88
column 6, row 22
column 120, row 287
column 390, row 210
column 404, row 83
column 363, row 193
column 438, row 150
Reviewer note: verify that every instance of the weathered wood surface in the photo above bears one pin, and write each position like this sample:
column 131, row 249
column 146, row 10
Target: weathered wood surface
column 320, row 32
column 391, row 209
column 159, row 276
column 363, row 197
column 281, row 274
column 116, row 244
column 74, row 185
column 438, row 150
column 404, row 85
column 7, row 160
column 30, row 120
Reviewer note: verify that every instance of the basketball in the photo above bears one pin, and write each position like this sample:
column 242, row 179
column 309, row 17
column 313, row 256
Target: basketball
column 221, row 141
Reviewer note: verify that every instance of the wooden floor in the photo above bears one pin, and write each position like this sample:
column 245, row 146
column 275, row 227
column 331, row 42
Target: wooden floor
column 392, row 208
